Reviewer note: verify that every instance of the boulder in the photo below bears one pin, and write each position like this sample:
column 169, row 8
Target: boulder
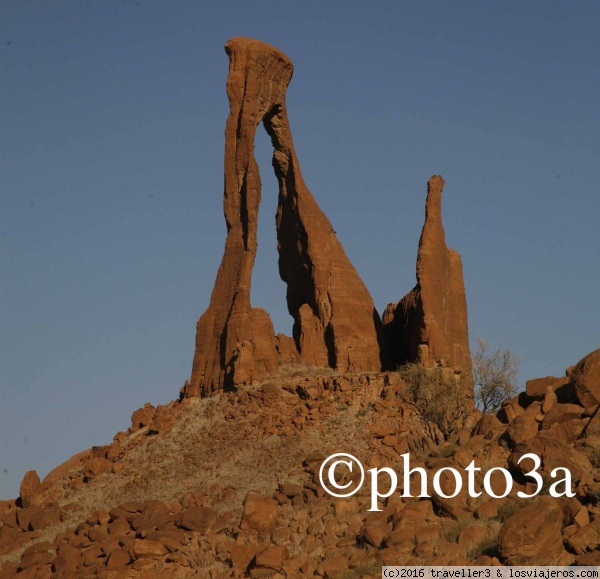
column 45, row 518
column 30, row 488
column 63, row 469
column 146, row 548
column 259, row 513
column 553, row 453
column 143, row 416
column 272, row 557
column 198, row 519
column 533, row 534
column 537, row 387
column 96, row 466
column 585, row 378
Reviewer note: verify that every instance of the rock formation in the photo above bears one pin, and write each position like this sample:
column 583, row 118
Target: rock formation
column 335, row 321
column 585, row 379
column 429, row 324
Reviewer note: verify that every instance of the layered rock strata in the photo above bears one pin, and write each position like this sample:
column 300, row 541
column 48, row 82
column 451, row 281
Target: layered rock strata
column 429, row 325
column 335, row 321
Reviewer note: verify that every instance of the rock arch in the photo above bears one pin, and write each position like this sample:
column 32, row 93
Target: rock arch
column 335, row 321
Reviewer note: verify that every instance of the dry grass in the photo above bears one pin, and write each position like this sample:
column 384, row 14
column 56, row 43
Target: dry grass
column 510, row 507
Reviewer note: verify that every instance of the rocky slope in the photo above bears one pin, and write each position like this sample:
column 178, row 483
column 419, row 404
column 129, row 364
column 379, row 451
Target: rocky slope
column 227, row 486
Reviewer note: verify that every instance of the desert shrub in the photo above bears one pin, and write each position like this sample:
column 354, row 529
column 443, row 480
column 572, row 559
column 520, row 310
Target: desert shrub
column 439, row 397
column 495, row 375
column 594, row 456
column 365, row 569
column 594, row 496
column 487, row 547
column 447, row 451
column 509, row 508
column 455, row 528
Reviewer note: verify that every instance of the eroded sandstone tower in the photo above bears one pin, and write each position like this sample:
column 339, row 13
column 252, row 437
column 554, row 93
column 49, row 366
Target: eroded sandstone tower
column 429, row 325
column 335, row 321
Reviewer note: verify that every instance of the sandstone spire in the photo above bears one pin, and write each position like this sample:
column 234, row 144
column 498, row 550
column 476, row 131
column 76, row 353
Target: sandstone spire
column 335, row 322
column 429, row 325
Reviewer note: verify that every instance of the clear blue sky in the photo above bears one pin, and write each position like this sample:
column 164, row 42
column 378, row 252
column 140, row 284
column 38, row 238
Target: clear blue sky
column 111, row 179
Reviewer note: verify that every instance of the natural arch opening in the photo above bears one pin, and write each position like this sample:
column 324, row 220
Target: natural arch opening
column 268, row 290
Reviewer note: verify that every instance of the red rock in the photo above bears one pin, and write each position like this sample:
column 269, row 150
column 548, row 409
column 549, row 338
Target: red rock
column 524, row 426
column 63, row 469
column 582, row 518
column 163, row 421
column 429, row 325
column 198, row 519
column 259, row 513
column 335, row 322
column 585, row 378
column 487, row 509
column 427, row 540
column 7, row 570
column 119, row 527
column 569, row 430
column 96, row 466
column 561, row 413
column 472, row 536
column 91, row 555
column 537, row 388
column 67, row 559
column 38, row 555
column 550, row 400
column 24, row 517
column 155, row 515
column 291, row 490
column 146, row 548
column 143, row 416
column 553, row 453
column 402, row 540
column 242, row 555
column 589, row 559
column 533, row 534
column 41, row 547
column 45, row 517
column 10, row 519
column 510, row 410
column 272, row 557
column 113, row 451
column 30, row 487
column 172, row 539
column 118, row 558
column 489, row 427
column 585, row 539
column 374, row 535
column 287, row 353
column 333, row 568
